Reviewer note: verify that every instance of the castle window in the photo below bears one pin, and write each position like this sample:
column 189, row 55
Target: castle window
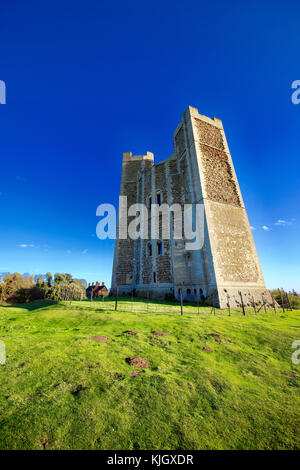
column 188, row 291
column 159, row 248
column 158, row 199
column 149, row 201
column 154, row 276
column 149, row 248
column 195, row 291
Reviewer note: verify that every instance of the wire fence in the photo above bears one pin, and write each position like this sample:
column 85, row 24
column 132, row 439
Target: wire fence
column 148, row 306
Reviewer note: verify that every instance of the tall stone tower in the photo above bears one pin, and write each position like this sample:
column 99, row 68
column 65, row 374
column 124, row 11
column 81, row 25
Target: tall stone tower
column 125, row 249
column 199, row 171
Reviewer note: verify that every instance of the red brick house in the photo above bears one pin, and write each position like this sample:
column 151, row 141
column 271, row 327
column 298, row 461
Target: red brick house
column 95, row 290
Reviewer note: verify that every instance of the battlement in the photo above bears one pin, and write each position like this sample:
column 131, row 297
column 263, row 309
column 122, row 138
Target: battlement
column 128, row 157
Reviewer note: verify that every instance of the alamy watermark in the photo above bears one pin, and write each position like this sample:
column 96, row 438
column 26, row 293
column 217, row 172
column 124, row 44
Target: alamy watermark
column 295, row 358
column 296, row 94
column 2, row 353
column 2, row 92
column 166, row 221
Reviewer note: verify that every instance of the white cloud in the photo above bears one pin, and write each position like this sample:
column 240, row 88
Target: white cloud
column 84, row 252
column 266, row 228
column 252, row 228
column 25, row 245
column 283, row 223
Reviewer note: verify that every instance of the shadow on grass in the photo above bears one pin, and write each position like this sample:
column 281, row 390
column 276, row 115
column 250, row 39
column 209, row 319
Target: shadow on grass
column 34, row 305
column 130, row 299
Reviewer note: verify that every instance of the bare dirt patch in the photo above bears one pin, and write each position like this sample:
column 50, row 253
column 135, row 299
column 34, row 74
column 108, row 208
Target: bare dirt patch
column 101, row 339
column 159, row 341
column 130, row 332
column 218, row 338
column 138, row 361
column 134, row 373
column 206, row 348
column 159, row 333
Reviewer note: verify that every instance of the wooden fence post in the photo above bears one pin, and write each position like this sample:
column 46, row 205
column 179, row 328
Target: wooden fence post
column 228, row 304
column 253, row 304
column 117, row 295
column 264, row 303
column 274, row 306
column 181, row 306
column 243, row 306
column 281, row 296
column 288, row 299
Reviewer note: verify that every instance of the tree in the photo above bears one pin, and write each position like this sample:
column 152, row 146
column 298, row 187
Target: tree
column 64, row 287
column 17, row 289
column 280, row 297
column 49, row 278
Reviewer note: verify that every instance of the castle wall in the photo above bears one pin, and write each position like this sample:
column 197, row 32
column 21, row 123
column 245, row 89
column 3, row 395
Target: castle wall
column 199, row 171
column 234, row 258
column 125, row 256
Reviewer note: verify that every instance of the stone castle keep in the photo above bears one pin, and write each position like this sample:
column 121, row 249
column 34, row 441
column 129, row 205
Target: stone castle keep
column 199, row 171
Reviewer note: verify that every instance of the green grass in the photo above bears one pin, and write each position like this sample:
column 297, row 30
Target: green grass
column 62, row 390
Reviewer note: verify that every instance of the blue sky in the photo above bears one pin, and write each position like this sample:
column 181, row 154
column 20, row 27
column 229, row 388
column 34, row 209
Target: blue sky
column 87, row 80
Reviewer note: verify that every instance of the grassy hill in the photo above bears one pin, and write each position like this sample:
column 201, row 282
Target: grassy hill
column 214, row 382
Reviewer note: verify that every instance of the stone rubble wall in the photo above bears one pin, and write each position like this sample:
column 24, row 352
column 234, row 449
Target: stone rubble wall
column 199, row 171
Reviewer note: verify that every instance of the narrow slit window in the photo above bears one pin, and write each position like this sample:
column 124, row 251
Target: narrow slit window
column 149, row 249
column 159, row 248
column 158, row 199
column 154, row 277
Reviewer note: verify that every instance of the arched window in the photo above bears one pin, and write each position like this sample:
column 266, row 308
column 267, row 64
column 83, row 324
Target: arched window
column 149, row 201
column 159, row 248
column 188, row 291
column 149, row 248
column 195, row 291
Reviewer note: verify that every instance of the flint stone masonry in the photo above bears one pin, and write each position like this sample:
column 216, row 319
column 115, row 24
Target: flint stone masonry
column 199, row 171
